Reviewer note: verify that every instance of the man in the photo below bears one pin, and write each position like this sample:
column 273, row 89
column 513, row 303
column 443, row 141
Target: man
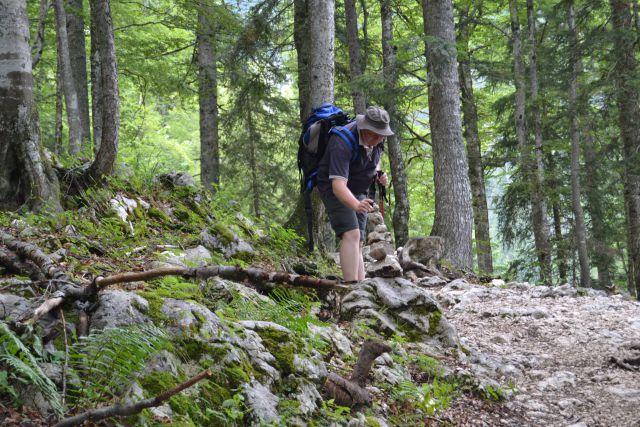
column 343, row 185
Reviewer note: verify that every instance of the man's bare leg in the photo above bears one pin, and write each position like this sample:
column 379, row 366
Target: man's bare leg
column 360, row 262
column 350, row 255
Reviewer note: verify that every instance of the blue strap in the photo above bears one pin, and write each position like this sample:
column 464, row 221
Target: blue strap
column 348, row 137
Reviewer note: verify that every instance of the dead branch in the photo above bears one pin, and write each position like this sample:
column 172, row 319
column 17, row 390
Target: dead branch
column 119, row 410
column 13, row 264
column 352, row 392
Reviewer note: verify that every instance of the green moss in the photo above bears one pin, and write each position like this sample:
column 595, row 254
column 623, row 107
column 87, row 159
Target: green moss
column 181, row 404
column 214, row 394
column 138, row 212
column 155, row 305
column 223, row 232
column 281, row 346
column 434, row 322
column 235, row 375
column 371, row 422
column 157, row 382
column 158, row 214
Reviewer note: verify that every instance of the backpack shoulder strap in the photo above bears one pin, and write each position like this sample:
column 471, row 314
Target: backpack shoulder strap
column 347, row 136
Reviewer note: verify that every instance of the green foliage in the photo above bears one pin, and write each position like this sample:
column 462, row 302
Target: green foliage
column 23, row 367
column 105, row 361
column 413, row 401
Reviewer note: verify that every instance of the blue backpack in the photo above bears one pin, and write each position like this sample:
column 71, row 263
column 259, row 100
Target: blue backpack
column 324, row 121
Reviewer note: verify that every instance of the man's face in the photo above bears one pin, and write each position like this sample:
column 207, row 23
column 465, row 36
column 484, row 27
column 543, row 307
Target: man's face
column 371, row 139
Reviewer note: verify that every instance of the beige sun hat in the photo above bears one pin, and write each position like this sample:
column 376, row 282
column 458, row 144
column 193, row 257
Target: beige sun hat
column 376, row 120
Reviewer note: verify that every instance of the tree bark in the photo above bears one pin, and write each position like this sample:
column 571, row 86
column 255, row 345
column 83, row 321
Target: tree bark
column 39, row 43
column 580, row 229
column 628, row 100
column 208, row 99
column 538, row 203
column 562, row 251
column 355, row 63
column 70, row 95
column 96, row 90
column 321, row 51
column 25, row 176
column 300, row 33
column 254, row 139
column 78, row 60
column 398, row 172
column 453, row 217
column 474, row 153
column 602, row 253
column 109, row 96
column 57, row 139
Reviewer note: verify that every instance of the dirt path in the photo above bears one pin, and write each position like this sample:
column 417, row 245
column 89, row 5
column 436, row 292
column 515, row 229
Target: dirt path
column 554, row 346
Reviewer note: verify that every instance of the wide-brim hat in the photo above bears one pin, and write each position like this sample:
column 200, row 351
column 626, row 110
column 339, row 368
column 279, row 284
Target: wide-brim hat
column 376, row 120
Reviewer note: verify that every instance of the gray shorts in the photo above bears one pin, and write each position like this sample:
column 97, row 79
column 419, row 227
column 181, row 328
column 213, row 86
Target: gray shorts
column 342, row 218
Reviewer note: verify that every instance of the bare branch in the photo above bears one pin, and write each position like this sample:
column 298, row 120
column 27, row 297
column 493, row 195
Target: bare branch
column 119, row 410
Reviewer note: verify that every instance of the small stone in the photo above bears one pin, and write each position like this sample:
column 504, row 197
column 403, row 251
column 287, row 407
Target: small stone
column 380, row 250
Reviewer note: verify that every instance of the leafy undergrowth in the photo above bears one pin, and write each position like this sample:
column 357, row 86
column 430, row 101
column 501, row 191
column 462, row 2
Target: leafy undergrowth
column 98, row 368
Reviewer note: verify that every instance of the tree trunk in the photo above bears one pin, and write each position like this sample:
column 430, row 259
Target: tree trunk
column 24, row 174
column 57, row 139
column 580, row 229
column 476, row 170
column 453, row 217
column 602, row 253
column 321, row 51
column 300, row 34
column 109, row 97
column 254, row 139
column 78, row 58
column 208, row 99
column 625, row 76
column 398, row 173
column 39, row 43
column 538, row 203
column 562, row 251
column 70, row 95
column 365, row 35
column 355, row 64
column 96, row 90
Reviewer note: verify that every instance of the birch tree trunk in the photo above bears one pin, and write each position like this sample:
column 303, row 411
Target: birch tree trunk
column 78, row 62
column 628, row 99
column 355, row 64
column 300, row 34
column 453, row 217
column 398, row 173
column 208, row 99
column 474, row 153
column 320, row 41
column 25, row 177
column 538, row 203
column 109, row 94
column 580, row 229
column 70, row 95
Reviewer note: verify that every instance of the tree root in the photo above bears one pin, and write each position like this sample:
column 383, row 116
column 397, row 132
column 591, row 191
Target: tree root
column 118, row 410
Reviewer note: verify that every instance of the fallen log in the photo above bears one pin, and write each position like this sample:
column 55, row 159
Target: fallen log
column 119, row 410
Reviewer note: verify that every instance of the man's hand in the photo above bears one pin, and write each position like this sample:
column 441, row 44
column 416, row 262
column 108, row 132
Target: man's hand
column 383, row 179
column 364, row 206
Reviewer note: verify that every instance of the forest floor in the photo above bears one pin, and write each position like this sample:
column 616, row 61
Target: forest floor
column 569, row 357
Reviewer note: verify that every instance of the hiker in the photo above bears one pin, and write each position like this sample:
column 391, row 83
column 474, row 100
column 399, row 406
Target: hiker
column 343, row 184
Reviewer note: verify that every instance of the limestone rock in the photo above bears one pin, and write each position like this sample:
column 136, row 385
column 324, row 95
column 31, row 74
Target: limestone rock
column 190, row 318
column 398, row 306
column 374, row 219
column 421, row 252
column 118, row 309
column 380, row 250
column 262, row 404
column 333, row 335
column 177, row 179
column 431, row 281
column 226, row 242
column 387, row 267
column 377, row 236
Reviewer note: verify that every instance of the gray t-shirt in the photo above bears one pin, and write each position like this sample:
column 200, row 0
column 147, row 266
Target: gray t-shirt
column 336, row 164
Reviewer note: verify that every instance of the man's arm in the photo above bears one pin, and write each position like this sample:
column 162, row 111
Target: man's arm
column 347, row 198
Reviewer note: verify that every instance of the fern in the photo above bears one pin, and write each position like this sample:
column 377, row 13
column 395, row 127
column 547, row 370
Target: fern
column 23, row 367
column 103, row 362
